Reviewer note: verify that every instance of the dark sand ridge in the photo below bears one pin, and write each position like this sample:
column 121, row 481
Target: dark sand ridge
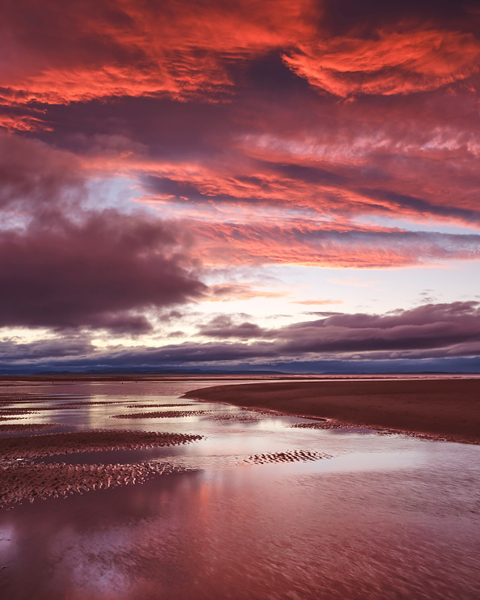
column 285, row 457
column 174, row 405
column 31, row 410
column 96, row 440
column 17, row 411
column 166, row 414
column 22, row 481
column 26, row 427
column 8, row 400
column 444, row 408
column 233, row 418
column 56, row 406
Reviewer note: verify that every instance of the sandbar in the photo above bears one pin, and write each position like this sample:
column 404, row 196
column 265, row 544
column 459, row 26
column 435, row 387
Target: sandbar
column 446, row 409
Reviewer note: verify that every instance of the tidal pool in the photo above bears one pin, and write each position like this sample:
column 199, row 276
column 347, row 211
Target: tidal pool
column 256, row 509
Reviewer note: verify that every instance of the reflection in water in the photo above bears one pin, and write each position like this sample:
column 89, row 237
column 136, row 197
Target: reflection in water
column 385, row 517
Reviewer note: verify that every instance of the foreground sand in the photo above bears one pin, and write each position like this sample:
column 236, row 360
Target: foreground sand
column 448, row 408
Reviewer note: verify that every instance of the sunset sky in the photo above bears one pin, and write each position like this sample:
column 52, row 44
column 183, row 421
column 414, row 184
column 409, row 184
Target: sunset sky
column 280, row 185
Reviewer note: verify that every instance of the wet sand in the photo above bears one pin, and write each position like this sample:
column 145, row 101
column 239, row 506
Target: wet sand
column 260, row 507
column 440, row 408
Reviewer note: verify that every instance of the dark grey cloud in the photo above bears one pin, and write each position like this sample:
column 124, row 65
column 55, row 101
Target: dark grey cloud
column 429, row 327
column 342, row 16
column 428, row 332
column 422, row 206
column 224, row 327
column 63, row 265
column 101, row 272
column 34, row 177
column 47, row 349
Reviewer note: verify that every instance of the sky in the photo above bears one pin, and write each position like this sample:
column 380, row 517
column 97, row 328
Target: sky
column 249, row 185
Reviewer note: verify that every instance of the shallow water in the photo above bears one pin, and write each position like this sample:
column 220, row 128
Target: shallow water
column 386, row 517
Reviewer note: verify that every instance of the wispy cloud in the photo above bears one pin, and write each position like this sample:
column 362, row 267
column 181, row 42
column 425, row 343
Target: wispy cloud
column 318, row 302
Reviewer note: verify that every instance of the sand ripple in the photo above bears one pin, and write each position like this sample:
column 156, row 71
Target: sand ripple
column 240, row 418
column 17, row 411
column 165, row 414
column 318, row 424
column 84, row 403
column 20, row 481
column 174, row 405
column 285, row 457
column 22, row 427
column 88, row 441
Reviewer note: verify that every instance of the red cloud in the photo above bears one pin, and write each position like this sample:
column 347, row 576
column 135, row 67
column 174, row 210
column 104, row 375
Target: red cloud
column 18, row 123
column 391, row 63
column 407, row 157
column 306, row 244
column 127, row 48
column 86, row 49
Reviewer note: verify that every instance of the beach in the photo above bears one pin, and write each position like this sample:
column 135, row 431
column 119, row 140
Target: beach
column 440, row 408
column 122, row 488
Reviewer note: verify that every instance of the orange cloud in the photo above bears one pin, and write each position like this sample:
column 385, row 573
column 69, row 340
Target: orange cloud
column 138, row 49
column 234, row 292
column 336, row 188
column 76, row 52
column 305, row 245
column 319, row 302
column 392, row 63
column 17, row 123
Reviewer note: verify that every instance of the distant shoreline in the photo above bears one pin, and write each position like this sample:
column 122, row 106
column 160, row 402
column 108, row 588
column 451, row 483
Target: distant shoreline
column 447, row 409
column 127, row 376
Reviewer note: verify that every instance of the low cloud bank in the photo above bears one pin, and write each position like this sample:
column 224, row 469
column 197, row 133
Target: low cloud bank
column 429, row 335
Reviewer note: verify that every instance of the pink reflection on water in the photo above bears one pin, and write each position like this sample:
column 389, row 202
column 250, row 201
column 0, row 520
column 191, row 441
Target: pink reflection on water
column 385, row 518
